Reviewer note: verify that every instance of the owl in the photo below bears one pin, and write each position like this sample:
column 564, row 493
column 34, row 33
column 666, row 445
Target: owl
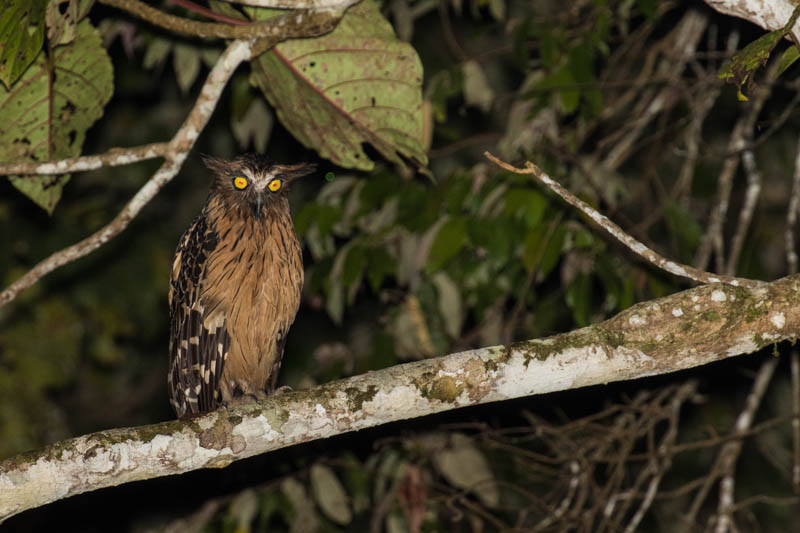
column 235, row 287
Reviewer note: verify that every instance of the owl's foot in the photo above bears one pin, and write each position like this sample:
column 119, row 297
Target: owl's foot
column 243, row 399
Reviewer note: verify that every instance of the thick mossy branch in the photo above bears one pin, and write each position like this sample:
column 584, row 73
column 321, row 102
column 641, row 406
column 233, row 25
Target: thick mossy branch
column 680, row 331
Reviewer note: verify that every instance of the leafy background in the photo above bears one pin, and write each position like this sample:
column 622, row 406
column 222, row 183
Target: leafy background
column 398, row 266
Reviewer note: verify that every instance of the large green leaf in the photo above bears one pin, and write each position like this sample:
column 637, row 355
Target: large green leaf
column 450, row 238
column 22, row 32
column 357, row 84
column 46, row 113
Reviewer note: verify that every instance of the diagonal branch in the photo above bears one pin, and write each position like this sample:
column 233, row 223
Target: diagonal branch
column 175, row 151
column 683, row 330
column 281, row 27
column 115, row 157
column 179, row 147
column 677, row 269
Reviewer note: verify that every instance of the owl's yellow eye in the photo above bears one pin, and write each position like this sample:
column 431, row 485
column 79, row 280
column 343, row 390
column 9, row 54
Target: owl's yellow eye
column 274, row 185
column 240, row 183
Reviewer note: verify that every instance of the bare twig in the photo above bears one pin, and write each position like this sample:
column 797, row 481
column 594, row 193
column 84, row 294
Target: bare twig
column 113, row 158
column 684, row 41
column 179, row 147
column 566, row 501
column 791, row 216
column 294, row 24
column 635, row 246
column 319, row 5
column 746, row 214
column 662, row 459
column 174, row 152
column 730, row 451
column 713, row 240
column 695, row 130
column 795, row 364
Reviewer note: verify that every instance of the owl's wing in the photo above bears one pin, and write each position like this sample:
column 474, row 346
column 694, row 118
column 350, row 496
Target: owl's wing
column 199, row 340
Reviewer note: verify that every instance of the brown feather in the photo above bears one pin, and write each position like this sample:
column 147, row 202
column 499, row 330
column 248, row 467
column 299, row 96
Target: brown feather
column 235, row 289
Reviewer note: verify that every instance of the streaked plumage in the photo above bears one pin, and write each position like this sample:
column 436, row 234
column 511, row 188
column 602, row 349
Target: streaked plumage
column 235, row 286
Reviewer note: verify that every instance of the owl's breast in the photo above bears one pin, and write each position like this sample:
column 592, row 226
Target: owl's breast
column 254, row 278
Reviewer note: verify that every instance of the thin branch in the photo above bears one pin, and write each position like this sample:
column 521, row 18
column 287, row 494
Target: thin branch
column 746, row 214
column 677, row 269
column 113, row 158
column 795, row 366
column 299, row 23
column 791, row 216
column 694, row 132
column 179, row 147
column 684, row 40
column 680, row 331
column 318, row 5
column 742, row 130
column 730, row 452
column 660, row 463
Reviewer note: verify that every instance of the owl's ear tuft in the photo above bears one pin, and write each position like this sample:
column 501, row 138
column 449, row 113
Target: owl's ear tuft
column 297, row 171
column 216, row 165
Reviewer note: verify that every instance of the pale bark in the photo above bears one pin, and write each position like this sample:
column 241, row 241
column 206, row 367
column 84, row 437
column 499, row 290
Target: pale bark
column 680, row 331
column 769, row 14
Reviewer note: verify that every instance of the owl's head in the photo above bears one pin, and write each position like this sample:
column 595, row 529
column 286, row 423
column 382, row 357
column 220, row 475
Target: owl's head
column 254, row 181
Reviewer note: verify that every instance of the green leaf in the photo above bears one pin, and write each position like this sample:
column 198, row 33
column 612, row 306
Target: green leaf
column 442, row 86
column 477, row 91
column 450, row 238
column 788, row 58
column 563, row 85
column 330, row 495
column 357, row 84
column 62, row 21
column 48, row 120
column 530, row 203
column 533, row 248
column 354, row 264
column 303, row 515
column 552, row 251
column 684, row 227
column 449, row 303
column 156, row 53
column 22, row 31
column 750, row 58
column 579, row 298
column 465, row 467
column 186, row 62
column 381, row 264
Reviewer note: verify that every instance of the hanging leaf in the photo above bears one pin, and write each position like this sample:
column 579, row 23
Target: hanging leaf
column 330, row 494
column 450, row 238
column 465, row 467
column 449, row 303
column 49, row 119
column 186, row 62
column 303, row 515
column 22, row 31
column 62, row 21
column 477, row 91
column 357, row 84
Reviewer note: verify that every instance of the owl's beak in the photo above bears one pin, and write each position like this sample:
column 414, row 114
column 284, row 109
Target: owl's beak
column 256, row 203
